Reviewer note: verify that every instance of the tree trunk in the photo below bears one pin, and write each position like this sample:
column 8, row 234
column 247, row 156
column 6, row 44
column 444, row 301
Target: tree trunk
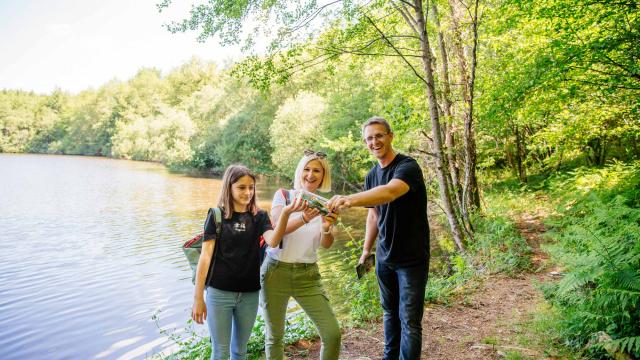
column 520, row 154
column 448, row 128
column 603, row 151
column 435, row 125
column 470, row 188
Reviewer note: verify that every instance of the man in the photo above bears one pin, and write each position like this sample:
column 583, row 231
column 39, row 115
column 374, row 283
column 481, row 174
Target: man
column 397, row 199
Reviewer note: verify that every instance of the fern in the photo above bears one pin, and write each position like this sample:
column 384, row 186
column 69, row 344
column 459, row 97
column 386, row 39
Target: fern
column 598, row 242
column 629, row 344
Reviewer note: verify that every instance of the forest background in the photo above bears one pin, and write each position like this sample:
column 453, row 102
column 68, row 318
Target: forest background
column 493, row 98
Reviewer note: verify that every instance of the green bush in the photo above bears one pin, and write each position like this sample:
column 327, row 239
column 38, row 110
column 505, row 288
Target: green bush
column 598, row 242
column 445, row 282
column 499, row 246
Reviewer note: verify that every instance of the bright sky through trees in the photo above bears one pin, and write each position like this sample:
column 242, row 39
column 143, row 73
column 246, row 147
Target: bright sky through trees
column 74, row 45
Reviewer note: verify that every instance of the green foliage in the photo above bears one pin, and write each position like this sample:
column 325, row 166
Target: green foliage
column 499, row 246
column 245, row 138
column 349, row 159
column 297, row 126
column 192, row 346
column 449, row 277
column 598, row 234
column 562, row 78
column 163, row 137
column 27, row 120
column 188, row 79
column 542, row 332
column 357, row 301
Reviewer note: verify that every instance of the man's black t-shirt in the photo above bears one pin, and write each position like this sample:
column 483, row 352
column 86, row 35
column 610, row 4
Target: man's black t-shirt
column 403, row 228
column 235, row 265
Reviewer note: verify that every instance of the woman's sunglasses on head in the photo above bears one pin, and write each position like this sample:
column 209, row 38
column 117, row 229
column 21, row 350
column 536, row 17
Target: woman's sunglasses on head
column 318, row 154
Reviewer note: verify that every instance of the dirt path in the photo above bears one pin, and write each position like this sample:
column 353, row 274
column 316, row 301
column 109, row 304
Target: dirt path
column 480, row 325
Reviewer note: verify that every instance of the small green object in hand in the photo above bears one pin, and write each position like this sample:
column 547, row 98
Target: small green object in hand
column 314, row 201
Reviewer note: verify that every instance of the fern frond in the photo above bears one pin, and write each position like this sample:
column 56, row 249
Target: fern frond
column 629, row 345
column 627, row 279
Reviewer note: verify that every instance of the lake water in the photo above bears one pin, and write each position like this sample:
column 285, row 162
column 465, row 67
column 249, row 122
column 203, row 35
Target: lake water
column 90, row 251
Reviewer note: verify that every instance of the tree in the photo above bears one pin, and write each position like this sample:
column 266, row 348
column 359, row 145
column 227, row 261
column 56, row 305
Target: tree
column 245, row 138
column 163, row 137
column 393, row 28
column 297, row 126
column 561, row 83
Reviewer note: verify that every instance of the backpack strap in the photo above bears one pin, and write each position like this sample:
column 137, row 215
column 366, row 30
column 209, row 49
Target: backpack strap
column 217, row 216
column 285, row 194
column 287, row 201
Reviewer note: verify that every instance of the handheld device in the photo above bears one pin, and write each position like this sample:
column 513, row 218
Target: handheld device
column 366, row 266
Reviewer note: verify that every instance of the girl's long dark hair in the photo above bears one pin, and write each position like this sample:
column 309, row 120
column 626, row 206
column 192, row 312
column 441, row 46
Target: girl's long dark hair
column 230, row 177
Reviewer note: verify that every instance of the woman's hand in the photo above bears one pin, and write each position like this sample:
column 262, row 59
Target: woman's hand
column 296, row 205
column 309, row 213
column 199, row 311
column 329, row 220
column 326, row 239
column 273, row 237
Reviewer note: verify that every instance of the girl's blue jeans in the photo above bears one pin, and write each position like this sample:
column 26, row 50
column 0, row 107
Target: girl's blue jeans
column 230, row 316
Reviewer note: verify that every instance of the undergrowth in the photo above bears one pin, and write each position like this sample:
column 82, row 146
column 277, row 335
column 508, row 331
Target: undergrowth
column 193, row 346
column 597, row 242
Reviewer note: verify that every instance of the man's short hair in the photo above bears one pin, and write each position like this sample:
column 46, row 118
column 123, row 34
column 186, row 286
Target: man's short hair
column 377, row 120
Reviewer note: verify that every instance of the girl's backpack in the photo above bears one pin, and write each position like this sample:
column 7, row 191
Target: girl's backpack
column 193, row 247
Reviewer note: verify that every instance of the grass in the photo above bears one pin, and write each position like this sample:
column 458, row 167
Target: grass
column 192, row 346
column 540, row 333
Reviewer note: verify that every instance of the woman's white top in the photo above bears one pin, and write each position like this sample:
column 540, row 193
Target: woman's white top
column 301, row 245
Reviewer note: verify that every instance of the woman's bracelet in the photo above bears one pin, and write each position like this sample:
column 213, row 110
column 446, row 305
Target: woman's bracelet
column 304, row 221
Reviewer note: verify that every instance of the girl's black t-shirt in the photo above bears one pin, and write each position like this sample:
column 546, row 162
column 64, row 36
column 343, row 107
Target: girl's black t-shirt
column 236, row 257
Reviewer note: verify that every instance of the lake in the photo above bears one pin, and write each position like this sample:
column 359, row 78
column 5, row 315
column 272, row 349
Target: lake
column 90, row 251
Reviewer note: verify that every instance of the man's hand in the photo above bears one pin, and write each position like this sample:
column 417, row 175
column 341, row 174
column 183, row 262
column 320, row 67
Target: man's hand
column 338, row 202
column 363, row 257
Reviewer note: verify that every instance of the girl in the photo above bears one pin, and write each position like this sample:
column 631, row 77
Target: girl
column 232, row 280
column 292, row 271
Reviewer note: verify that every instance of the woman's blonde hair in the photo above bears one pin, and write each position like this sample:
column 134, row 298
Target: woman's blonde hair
column 325, row 185
column 230, row 177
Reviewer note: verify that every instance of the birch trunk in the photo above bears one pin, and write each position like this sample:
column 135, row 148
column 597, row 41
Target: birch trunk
column 471, row 194
column 435, row 125
column 448, row 128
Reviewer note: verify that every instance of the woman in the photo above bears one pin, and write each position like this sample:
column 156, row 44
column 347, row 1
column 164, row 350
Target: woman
column 233, row 279
column 291, row 270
